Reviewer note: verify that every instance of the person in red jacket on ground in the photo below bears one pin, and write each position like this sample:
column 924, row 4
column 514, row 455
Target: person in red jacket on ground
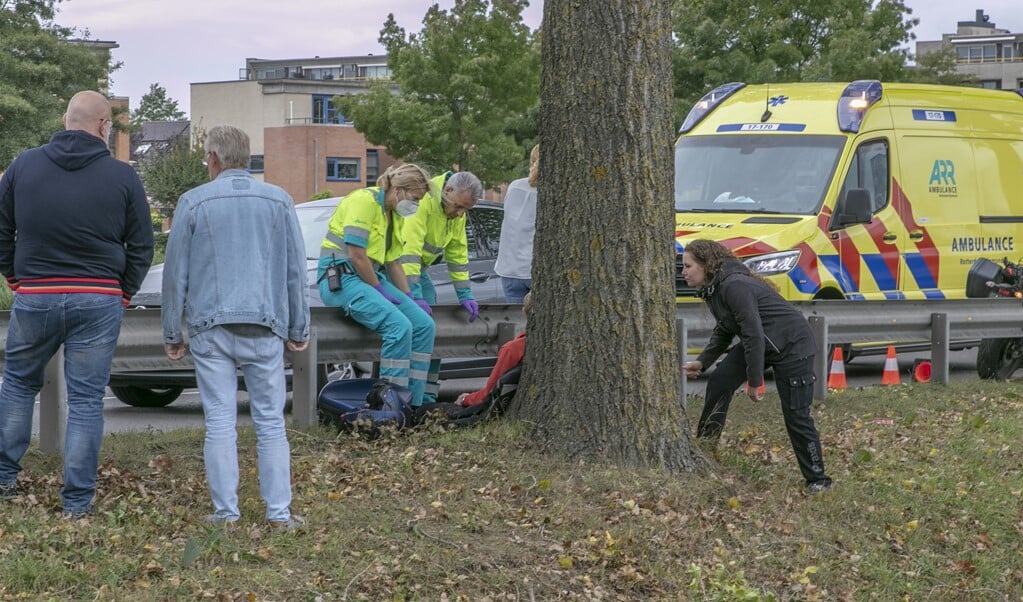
column 509, row 356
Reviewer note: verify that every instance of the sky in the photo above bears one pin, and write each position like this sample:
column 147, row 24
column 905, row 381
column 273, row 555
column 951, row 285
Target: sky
column 178, row 42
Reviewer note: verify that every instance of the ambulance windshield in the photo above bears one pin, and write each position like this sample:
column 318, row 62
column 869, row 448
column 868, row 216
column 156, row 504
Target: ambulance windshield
column 751, row 173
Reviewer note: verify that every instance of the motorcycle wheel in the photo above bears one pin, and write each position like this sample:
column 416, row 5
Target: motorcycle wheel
column 998, row 359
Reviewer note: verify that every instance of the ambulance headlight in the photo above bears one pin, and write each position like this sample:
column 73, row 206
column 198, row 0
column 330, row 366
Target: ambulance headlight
column 772, row 263
column 708, row 103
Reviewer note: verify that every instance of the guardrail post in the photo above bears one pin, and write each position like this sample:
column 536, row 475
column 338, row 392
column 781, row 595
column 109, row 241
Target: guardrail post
column 683, row 350
column 940, row 336
column 53, row 405
column 819, row 326
column 303, row 385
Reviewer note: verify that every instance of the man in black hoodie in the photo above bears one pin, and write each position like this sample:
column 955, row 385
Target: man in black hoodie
column 75, row 243
column 772, row 333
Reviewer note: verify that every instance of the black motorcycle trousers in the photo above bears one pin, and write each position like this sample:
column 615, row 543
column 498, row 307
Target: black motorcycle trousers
column 794, row 380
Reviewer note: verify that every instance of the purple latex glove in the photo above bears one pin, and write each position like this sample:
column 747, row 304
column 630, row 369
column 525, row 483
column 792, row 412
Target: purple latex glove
column 423, row 305
column 380, row 289
column 473, row 308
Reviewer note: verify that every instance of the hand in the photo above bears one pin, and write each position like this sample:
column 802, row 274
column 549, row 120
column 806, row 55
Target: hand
column 693, row 369
column 296, row 345
column 423, row 305
column 380, row 289
column 755, row 393
column 461, row 399
column 174, row 351
column 473, row 308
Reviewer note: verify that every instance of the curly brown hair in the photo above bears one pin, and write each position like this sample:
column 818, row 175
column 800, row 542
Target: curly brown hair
column 709, row 254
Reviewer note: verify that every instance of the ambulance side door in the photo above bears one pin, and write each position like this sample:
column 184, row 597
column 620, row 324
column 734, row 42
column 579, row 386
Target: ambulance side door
column 869, row 254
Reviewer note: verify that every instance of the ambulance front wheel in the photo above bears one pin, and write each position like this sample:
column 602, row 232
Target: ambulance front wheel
column 999, row 359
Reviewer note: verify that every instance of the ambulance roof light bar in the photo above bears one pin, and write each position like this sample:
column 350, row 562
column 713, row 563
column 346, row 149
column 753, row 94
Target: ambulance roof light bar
column 854, row 102
column 708, row 103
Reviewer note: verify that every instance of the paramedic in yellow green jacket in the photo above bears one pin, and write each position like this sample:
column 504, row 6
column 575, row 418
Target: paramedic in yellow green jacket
column 359, row 271
column 438, row 228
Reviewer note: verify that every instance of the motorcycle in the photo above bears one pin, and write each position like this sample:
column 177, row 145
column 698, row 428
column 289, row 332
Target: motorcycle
column 997, row 358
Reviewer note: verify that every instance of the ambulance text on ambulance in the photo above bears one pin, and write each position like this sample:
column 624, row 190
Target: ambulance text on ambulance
column 983, row 245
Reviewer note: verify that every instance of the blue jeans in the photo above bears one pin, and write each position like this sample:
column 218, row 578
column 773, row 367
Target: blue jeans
column 515, row 289
column 217, row 354
column 87, row 325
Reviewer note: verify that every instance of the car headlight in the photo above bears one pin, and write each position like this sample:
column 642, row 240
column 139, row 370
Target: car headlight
column 772, row 263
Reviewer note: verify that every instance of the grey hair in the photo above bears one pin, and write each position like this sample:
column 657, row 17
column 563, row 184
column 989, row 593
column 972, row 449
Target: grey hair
column 466, row 180
column 230, row 145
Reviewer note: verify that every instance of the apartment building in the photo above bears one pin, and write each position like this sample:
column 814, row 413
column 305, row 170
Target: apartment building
column 993, row 56
column 299, row 140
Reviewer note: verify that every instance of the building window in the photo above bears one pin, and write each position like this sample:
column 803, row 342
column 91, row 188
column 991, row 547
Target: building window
column 376, row 72
column 990, row 84
column 372, row 166
column 340, row 169
column 256, row 164
column 324, row 110
column 977, row 54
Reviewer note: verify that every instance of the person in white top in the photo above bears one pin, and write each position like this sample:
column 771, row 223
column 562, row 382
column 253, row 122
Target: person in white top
column 515, row 254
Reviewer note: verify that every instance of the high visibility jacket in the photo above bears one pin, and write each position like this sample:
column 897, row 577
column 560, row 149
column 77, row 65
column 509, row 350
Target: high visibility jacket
column 429, row 234
column 360, row 220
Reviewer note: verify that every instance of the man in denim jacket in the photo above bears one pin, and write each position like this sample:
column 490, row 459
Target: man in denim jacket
column 236, row 269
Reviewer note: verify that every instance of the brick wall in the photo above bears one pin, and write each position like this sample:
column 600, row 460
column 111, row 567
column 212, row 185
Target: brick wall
column 295, row 158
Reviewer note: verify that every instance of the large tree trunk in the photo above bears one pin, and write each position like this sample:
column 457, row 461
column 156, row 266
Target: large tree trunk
column 602, row 367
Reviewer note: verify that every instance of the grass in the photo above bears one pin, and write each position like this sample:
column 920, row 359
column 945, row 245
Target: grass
column 927, row 506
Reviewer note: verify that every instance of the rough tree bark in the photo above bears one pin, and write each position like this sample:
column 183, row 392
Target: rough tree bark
column 602, row 367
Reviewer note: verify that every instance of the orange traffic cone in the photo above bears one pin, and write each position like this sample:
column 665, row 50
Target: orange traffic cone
column 836, row 376
column 761, row 389
column 891, row 368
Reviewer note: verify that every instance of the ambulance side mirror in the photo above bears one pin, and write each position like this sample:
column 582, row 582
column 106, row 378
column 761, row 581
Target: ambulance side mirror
column 854, row 208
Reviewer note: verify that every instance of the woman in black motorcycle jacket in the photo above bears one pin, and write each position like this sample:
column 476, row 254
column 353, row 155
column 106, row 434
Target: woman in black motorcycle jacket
column 772, row 333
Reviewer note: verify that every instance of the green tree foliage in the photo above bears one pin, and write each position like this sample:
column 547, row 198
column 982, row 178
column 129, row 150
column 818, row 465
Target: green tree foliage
column 719, row 41
column 155, row 105
column 940, row 68
column 462, row 81
column 39, row 72
column 168, row 176
column 323, row 194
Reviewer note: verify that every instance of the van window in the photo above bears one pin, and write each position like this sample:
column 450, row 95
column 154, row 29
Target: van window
column 869, row 169
column 754, row 173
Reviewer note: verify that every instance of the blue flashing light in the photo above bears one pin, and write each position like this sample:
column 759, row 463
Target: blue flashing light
column 708, row 103
column 854, row 102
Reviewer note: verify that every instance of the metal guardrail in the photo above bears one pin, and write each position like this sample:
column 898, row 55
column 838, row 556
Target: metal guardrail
column 337, row 339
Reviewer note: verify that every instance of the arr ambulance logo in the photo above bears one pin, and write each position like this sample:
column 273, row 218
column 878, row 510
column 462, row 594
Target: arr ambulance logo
column 943, row 179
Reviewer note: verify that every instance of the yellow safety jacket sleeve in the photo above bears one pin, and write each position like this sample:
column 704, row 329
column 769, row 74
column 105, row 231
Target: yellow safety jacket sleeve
column 359, row 220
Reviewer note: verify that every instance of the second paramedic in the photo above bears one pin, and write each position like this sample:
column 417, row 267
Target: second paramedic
column 438, row 228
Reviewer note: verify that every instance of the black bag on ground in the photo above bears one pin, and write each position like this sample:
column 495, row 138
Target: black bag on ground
column 365, row 404
column 495, row 404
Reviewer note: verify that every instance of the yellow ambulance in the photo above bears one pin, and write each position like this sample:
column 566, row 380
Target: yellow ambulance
column 854, row 191
column 857, row 190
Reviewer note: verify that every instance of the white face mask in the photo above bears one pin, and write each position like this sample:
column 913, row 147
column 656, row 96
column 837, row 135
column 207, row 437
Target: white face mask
column 406, row 208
